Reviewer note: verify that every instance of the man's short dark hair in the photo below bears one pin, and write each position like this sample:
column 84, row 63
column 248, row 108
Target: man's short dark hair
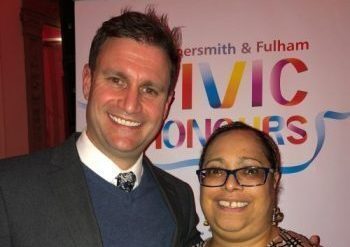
column 145, row 27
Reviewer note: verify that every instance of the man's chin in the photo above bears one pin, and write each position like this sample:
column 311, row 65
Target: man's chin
column 127, row 151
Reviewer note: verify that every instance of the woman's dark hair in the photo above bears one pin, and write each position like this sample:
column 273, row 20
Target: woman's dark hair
column 269, row 147
column 143, row 27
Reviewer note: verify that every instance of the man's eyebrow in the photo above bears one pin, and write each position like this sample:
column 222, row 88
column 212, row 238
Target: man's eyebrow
column 110, row 72
column 123, row 76
column 151, row 83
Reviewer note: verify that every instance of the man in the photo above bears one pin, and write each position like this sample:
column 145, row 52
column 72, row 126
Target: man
column 98, row 189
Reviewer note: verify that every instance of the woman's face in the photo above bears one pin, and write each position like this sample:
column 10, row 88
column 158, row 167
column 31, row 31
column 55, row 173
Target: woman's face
column 231, row 208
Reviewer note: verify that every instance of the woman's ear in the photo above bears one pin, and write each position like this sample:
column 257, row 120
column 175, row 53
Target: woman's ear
column 277, row 178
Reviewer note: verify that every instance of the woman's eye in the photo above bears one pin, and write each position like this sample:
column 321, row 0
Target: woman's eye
column 216, row 172
column 252, row 171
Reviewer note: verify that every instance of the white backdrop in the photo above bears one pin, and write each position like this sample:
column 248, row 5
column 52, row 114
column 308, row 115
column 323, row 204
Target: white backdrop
column 279, row 65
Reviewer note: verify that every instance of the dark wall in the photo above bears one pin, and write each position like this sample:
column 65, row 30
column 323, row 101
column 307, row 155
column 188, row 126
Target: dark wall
column 68, row 49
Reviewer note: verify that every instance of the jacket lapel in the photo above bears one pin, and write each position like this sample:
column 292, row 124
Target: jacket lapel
column 68, row 184
column 169, row 196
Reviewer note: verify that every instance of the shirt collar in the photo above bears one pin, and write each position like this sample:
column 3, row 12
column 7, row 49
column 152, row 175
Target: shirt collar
column 103, row 166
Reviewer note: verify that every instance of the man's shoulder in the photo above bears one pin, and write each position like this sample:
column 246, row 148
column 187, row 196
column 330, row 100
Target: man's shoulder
column 35, row 159
column 27, row 159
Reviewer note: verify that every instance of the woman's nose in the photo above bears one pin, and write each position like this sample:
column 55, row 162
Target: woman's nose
column 232, row 183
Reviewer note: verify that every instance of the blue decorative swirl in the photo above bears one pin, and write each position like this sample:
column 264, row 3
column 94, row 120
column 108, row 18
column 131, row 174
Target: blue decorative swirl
column 320, row 129
column 180, row 164
column 287, row 169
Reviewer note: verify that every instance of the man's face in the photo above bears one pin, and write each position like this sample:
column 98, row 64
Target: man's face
column 127, row 96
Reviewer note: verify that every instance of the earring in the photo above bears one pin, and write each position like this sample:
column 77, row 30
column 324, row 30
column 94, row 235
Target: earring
column 205, row 223
column 277, row 216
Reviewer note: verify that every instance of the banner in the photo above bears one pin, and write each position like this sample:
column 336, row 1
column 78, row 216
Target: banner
column 280, row 66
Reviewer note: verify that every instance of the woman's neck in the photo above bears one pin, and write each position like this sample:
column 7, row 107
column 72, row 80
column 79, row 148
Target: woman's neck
column 260, row 240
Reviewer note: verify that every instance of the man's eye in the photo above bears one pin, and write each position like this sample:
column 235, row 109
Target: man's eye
column 118, row 82
column 149, row 91
column 115, row 80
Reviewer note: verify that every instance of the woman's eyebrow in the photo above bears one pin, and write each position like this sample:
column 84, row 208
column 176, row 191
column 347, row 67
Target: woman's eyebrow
column 244, row 159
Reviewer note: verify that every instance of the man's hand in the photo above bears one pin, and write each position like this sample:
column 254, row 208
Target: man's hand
column 314, row 240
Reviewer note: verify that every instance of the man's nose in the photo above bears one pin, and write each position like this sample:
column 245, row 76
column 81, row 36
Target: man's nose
column 131, row 100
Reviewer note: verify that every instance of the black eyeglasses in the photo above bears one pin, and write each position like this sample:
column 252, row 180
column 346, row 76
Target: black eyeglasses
column 248, row 176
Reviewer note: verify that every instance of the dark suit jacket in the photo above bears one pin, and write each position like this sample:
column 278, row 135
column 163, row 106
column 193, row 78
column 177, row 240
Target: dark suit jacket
column 44, row 201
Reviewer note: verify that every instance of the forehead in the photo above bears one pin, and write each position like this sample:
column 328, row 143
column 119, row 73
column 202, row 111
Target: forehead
column 237, row 136
column 115, row 51
column 237, row 142
column 125, row 45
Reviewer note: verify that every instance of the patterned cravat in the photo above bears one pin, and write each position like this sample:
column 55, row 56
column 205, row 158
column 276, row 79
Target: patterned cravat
column 126, row 181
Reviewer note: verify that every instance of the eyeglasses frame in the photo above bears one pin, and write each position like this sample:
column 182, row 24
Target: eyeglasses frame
column 233, row 172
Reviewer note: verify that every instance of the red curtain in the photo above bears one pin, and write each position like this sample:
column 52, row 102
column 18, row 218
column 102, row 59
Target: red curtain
column 55, row 103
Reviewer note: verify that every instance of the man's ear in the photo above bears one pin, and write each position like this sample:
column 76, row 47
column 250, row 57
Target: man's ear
column 168, row 103
column 87, row 80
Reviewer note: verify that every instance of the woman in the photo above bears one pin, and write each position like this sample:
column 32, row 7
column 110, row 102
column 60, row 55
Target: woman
column 239, row 176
